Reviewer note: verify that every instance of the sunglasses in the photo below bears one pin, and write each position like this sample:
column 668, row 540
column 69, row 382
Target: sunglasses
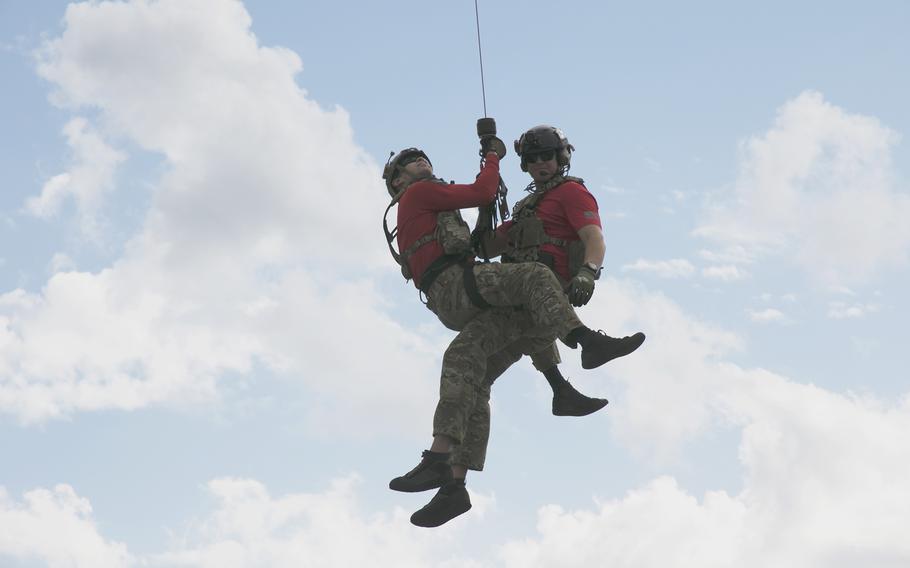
column 544, row 156
column 408, row 159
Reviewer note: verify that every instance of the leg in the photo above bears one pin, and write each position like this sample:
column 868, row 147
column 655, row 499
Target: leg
column 471, row 453
column 533, row 287
column 567, row 401
column 463, row 412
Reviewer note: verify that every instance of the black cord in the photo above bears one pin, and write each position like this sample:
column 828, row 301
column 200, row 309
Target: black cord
column 483, row 89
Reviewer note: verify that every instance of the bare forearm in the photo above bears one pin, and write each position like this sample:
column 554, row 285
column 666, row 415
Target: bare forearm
column 595, row 249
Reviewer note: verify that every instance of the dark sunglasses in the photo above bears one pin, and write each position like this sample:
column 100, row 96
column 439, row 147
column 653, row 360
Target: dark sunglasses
column 544, row 156
column 409, row 158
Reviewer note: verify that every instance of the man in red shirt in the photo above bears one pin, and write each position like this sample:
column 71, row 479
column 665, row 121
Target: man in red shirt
column 558, row 224
column 500, row 310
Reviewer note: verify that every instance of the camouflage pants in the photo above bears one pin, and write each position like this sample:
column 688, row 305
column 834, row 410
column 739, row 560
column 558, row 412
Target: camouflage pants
column 529, row 311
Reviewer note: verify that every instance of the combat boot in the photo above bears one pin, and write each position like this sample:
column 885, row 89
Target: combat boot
column 451, row 500
column 433, row 471
column 598, row 348
column 569, row 402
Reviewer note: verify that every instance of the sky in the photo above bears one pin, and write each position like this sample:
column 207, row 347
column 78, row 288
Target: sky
column 209, row 359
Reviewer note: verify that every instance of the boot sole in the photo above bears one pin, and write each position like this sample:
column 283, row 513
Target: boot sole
column 414, row 488
column 567, row 413
column 433, row 523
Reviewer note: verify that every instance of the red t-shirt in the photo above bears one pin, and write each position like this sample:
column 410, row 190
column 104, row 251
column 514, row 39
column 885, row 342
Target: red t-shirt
column 423, row 200
column 564, row 210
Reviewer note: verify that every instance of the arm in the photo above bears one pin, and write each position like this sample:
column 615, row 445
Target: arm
column 461, row 196
column 496, row 242
column 595, row 249
column 584, row 217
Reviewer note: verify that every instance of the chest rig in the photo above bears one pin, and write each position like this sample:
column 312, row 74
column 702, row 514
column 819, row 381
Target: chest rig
column 452, row 232
column 527, row 235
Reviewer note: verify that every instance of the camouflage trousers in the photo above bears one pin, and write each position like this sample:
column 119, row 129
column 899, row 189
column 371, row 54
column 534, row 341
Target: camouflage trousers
column 529, row 311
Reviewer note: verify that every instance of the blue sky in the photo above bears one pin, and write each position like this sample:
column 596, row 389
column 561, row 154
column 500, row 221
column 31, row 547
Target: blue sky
column 207, row 357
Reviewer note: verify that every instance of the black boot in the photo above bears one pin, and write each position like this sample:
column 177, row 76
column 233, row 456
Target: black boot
column 597, row 347
column 433, row 471
column 566, row 400
column 569, row 402
column 450, row 501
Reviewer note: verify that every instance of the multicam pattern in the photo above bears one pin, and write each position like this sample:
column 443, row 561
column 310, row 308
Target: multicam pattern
column 530, row 311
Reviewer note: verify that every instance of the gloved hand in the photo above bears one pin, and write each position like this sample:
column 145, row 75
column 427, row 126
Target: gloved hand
column 581, row 288
column 492, row 144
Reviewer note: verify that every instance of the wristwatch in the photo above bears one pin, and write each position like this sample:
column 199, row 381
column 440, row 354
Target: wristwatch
column 595, row 269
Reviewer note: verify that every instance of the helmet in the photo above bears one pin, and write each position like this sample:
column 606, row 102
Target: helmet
column 393, row 167
column 542, row 138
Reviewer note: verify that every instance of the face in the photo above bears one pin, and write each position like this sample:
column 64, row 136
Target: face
column 542, row 169
column 413, row 169
column 418, row 168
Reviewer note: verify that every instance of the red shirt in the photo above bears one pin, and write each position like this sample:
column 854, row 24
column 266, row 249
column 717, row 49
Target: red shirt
column 423, row 200
column 564, row 210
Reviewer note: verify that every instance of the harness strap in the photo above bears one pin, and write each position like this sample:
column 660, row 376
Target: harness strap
column 406, row 254
column 436, row 268
column 470, row 287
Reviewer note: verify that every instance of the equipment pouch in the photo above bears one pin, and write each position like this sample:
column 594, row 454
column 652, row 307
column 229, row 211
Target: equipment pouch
column 452, row 232
column 525, row 236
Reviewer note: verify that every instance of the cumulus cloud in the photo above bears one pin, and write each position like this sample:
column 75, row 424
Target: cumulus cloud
column 664, row 380
column 55, row 526
column 673, row 268
column 824, row 485
column 251, row 528
column 246, row 257
column 89, row 178
column 818, row 190
column 823, row 481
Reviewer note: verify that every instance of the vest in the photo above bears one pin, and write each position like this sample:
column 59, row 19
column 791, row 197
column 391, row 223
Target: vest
column 526, row 235
column 452, row 232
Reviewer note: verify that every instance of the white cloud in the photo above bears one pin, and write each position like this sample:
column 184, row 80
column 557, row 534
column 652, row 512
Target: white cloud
column 56, row 527
column 665, row 379
column 789, row 298
column 818, row 190
column 824, row 485
column 614, row 189
column 251, row 528
column 724, row 273
column 824, row 480
column 88, row 179
column 735, row 254
column 768, row 315
column 250, row 254
column 673, row 268
column 843, row 310
column 824, row 474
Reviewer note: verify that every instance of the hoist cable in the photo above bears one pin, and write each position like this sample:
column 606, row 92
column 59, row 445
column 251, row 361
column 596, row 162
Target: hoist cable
column 480, row 52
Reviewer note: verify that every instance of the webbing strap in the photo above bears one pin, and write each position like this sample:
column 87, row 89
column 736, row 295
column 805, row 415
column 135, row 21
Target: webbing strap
column 470, row 287
column 436, row 268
